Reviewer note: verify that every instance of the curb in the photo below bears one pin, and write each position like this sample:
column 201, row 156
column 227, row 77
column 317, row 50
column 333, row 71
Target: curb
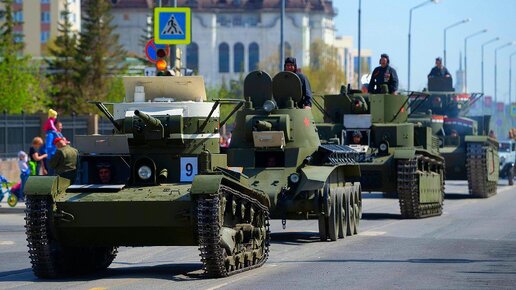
column 5, row 208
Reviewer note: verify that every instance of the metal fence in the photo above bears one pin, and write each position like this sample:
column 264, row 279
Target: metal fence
column 17, row 131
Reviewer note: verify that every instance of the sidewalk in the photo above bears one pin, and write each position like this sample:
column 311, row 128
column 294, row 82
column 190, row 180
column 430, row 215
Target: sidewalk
column 5, row 208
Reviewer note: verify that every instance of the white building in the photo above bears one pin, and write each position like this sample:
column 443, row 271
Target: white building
column 230, row 37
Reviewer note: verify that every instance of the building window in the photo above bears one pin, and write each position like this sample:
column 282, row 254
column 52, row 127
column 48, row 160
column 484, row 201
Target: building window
column 18, row 1
column 224, row 58
column 18, row 37
column 192, row 56
column 44, row 36
column 239, row 57
column 237, row 20
column 18, row 16
column 254, row 56
column 44, row 1
column 45, row 17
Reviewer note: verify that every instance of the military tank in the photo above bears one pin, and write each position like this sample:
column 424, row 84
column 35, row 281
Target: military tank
column 397, row 157
column 168, row 186
column 275, row 144
column 469, row 152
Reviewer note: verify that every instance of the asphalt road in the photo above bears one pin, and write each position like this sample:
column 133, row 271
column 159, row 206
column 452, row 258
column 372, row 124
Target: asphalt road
column 472, row 245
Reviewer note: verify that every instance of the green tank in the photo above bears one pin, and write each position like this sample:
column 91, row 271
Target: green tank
column 469, row 152
column 168, row 185
column 275, row 144
column 397, row 157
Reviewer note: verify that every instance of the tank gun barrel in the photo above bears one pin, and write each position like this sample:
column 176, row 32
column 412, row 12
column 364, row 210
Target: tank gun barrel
column 148, row 119
column 263, row 125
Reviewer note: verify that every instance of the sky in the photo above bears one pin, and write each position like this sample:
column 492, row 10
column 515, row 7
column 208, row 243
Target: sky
column 385, row 26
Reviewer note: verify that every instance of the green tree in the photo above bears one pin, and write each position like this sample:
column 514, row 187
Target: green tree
column 100, row 56
column 324, row 72
column 64, row 88
column 20, row 81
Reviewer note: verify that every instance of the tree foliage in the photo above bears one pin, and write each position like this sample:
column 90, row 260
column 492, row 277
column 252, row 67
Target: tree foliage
column 21, row 85
column 62, row 66
column 324, row 72
column 100, row 58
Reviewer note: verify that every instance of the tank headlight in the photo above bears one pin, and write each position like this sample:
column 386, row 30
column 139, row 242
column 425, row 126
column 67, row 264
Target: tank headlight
column 294, row 178
column 144, row 172
column 269, row 105
column 384, row 147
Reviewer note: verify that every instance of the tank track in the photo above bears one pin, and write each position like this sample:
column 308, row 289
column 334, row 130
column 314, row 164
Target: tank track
column 476, row 166
column 48, row 258
column 408, row 187
column 211, row 220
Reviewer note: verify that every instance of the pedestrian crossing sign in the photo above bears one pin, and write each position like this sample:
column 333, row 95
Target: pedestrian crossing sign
column 172, row 25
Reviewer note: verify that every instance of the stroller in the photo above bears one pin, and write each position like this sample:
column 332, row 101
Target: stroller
column 12, row 199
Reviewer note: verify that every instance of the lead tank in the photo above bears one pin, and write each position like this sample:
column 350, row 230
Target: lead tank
column 169, row 186
column 397, row 157
column 470, row 153
column 276, row 145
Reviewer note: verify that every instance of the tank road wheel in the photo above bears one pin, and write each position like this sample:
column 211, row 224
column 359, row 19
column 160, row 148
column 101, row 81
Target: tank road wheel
column 334, row 216
column 350, row 213
column 358, row 201
column 232, row 241
column 477, row 167
column 343, row 222
column 356, row 210
column 324, row 207
column 48, row 257
column 510, row 176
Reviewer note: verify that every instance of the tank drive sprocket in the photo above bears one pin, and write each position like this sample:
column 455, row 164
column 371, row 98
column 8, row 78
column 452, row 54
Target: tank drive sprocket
column 409, row 171
column 48, row 257
column 233, row 232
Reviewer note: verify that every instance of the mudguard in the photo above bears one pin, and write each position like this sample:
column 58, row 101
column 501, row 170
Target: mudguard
column 404, row 153
column 314, row 177
column 210, row 184
column 46, row 185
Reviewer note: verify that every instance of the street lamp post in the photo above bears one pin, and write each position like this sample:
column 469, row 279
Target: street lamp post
column 410, row 30
column 510, row 78
column 359, row 68
column 466, row 56
column 282, row 41
column 448, row 27
column 482, row 63
column 495, row 66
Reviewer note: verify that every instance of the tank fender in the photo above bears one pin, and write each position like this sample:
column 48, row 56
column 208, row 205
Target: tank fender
column 46, row 185
column 482, row 139
column 210, row 184
column 402, row 153
column 314, row 177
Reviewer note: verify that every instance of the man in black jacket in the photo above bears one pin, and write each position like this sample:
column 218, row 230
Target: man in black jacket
column 291, row 65
column 439, row 70
column 384, row 75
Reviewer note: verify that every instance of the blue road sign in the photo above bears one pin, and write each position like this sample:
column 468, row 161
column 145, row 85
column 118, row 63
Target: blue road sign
column 172, row 25
column 151, row 48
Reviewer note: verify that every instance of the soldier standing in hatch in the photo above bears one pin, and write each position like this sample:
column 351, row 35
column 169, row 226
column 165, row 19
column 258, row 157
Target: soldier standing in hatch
column 384, row 75
column 439, row 70
column 64, row 162
column 291, row 66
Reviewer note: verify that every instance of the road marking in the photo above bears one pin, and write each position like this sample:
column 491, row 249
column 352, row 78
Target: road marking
column 6, row 243
column 98, row 288
column 372, row 233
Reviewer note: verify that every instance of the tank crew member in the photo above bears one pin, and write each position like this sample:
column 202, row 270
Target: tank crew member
column 104, row 172
column 357, row 137
column 64, row 162
column 439, row 70
column 384, row 75
column 291, row 65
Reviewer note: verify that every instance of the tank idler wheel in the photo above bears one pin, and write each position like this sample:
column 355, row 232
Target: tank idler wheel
column 343, row 222
column 333, row 217
column 350, row 214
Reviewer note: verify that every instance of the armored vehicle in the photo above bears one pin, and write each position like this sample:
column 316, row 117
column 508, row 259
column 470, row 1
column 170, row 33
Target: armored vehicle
column 396, row 157
column 168, row 186
column 507, row 154
column 469, row 152
column 276, row 145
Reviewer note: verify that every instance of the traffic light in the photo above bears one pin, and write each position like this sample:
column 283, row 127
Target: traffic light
column 161, row 63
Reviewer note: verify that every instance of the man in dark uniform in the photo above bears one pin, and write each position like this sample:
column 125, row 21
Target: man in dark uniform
column 439, row 70
column 64, row 162
column 384, row 75
column 291, row 65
